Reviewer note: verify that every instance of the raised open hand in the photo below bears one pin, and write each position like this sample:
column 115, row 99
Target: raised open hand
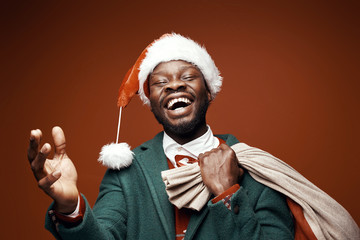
column 57, row 177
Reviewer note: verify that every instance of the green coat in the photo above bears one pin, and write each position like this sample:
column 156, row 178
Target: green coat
column 133, row 204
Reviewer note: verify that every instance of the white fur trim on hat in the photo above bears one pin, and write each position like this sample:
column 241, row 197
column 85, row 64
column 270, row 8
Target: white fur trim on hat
column 176, row 47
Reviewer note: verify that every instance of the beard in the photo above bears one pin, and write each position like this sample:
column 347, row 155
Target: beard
column 185, row 128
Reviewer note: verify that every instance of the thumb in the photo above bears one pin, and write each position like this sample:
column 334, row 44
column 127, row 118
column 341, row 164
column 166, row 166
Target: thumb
column 59, row 140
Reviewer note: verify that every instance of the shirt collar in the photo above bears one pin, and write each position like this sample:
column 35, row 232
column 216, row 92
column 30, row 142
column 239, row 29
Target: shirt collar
column 202, row 144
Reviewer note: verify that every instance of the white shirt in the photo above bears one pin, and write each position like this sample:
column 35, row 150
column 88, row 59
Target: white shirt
column 202, row 144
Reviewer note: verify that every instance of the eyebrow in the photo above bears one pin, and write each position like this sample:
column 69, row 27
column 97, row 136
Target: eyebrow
column 181, row 68
column 156, row 73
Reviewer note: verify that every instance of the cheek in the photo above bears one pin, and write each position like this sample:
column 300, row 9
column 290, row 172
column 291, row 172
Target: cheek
column 204, row 93
column 153, row 95
column 154, row 99
column 202, row 90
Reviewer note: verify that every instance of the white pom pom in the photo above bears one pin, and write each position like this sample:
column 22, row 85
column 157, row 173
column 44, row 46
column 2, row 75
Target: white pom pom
column 116, row 156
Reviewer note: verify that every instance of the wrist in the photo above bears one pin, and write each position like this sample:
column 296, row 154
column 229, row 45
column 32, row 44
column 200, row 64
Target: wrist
column 72, row 220
column 66, row 207
column 220, row 188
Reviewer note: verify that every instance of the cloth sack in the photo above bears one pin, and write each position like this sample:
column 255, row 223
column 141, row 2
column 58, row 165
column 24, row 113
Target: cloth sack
column 327, row 218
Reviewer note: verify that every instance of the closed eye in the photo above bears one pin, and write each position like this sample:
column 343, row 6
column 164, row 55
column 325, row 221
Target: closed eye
column 159, row 82
column 188, row 77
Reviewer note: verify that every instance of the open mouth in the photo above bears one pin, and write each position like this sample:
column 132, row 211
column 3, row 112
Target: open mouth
column 178, row 103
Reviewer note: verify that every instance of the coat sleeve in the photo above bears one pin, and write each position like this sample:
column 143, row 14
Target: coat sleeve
column 265, row 216
column 106, row 220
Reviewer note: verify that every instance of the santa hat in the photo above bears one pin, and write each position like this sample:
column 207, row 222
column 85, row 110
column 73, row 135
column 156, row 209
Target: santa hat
column 167, row 48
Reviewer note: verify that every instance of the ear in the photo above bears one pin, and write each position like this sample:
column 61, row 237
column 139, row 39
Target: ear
column 147, row 87
column 209, row 95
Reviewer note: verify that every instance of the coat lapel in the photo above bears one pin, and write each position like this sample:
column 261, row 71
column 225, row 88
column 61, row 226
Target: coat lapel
column 152, row 161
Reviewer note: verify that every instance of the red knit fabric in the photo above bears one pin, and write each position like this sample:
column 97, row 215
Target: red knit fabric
column 229, row 192
column 302, row 229
column 182, row 216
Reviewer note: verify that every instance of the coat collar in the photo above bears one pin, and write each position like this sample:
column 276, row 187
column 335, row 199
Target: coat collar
column 152, row 160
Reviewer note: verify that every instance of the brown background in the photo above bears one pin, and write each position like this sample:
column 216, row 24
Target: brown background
column 291, row 86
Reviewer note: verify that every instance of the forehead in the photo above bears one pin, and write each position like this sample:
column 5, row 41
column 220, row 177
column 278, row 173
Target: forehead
column 174, row 67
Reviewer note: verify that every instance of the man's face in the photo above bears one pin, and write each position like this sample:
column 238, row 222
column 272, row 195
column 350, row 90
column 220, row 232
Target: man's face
column 178, row 97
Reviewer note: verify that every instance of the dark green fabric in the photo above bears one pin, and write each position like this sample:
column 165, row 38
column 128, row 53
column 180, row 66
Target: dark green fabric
column 133, row 204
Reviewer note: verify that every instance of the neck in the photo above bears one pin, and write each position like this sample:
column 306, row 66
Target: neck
column 188, row 137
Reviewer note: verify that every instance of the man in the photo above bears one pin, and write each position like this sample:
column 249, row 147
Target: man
column 178, row 79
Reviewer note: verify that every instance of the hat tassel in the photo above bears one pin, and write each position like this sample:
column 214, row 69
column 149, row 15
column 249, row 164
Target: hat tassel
column 116, row 155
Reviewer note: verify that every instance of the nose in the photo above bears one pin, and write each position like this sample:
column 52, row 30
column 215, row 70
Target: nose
column 175, row 85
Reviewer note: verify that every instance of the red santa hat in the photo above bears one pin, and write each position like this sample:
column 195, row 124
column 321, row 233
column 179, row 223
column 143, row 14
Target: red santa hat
column 167, row 48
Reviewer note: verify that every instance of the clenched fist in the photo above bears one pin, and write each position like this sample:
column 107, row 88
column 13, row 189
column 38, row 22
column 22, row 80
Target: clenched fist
column 220, row 169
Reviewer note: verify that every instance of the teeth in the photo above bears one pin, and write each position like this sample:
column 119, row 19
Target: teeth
column 175, row 100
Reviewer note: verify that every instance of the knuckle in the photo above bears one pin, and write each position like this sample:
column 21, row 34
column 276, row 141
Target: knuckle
column 33, row 166
column 204, row 155
column 61, row 145
column 41, row 155
column 227, row 150
column 214, row 150
column 44, row 183
column 230, row 152
column 213, row 154
column 223, row 146
column 41, row 184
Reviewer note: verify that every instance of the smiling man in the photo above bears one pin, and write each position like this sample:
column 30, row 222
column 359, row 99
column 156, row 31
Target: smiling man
column 178, row 80
column 179, row 99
